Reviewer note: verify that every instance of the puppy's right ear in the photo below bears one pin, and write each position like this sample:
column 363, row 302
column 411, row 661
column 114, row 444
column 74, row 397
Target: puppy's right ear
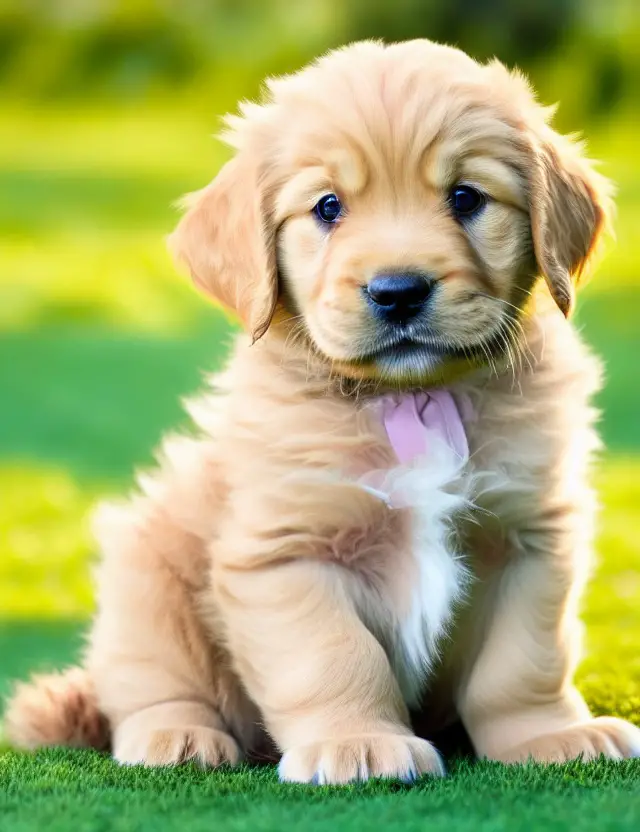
column 227, row 240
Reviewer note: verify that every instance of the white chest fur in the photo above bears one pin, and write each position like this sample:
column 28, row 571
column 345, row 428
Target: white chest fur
column 435, row 488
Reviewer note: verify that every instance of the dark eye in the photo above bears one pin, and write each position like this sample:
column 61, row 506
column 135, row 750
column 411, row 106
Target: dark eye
column 328, row 209
column 466, row 201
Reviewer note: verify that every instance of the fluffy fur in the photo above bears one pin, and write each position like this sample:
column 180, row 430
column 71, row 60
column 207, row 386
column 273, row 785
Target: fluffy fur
column 254, row 585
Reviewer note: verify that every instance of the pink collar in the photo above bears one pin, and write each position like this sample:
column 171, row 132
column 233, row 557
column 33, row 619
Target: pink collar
column 426, row 423
column 413, row 419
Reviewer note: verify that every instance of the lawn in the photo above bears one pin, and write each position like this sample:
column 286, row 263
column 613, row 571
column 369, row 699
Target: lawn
column 99, row 340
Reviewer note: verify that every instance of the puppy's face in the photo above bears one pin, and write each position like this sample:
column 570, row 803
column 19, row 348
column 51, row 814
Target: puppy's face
column 405, row 243
column 395, row 204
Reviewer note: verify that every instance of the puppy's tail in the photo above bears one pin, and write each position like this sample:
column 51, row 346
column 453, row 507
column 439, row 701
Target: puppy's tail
column 56, row 709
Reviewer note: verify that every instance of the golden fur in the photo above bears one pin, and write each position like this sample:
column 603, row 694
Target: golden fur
column 253, row 583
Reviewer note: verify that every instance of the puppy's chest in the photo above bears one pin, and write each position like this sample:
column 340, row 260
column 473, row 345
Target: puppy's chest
column 422, row 574
column 427, row 573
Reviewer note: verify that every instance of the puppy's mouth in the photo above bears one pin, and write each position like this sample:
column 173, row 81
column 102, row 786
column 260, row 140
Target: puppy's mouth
column 403, row 348
column 406, row 358
column 414, row 353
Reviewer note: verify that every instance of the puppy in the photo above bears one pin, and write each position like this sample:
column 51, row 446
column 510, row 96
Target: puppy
column 387, row 508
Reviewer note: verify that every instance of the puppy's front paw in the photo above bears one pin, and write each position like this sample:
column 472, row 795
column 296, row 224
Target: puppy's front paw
column 392, row 756
column 613, row 738
column 172, row 746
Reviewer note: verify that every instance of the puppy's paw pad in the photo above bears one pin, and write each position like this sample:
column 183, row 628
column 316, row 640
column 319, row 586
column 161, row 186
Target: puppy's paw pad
column 353, row 759
column 173, row 746
column 603, row 736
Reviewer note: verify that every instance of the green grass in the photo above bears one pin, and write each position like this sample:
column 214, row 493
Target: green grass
column 99, row 340
column 65, row 790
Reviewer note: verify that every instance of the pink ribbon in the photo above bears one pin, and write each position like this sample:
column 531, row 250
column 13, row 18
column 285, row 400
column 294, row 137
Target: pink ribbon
column 411, row 418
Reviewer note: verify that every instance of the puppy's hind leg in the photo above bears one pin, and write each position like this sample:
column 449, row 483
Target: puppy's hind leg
column 518, row 701
column 160, row 678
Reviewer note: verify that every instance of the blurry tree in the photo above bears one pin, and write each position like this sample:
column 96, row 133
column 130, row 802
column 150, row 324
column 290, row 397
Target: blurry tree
column 583, row 51
column 518, row 32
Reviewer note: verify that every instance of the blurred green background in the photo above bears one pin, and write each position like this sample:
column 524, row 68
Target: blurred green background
column 108, row 110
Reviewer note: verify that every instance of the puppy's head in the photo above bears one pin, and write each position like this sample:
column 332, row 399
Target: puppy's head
column 398, row 203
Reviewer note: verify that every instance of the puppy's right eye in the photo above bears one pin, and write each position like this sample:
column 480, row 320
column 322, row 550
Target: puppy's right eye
column 328, row 209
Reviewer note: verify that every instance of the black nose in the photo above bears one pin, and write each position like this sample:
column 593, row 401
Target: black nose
column 399, row 296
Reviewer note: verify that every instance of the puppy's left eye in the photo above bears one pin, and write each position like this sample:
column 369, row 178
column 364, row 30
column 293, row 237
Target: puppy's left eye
column 466, row 201
column 328, row 209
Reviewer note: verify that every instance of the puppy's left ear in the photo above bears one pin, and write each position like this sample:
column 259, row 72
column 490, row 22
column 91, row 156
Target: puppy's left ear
column 227, row 240
column 569, row 207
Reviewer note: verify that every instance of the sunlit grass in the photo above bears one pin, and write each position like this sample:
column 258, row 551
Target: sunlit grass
column 610, row 674
column 45, row 543
column 107, row 277
column 89, row 196
column 166, row 138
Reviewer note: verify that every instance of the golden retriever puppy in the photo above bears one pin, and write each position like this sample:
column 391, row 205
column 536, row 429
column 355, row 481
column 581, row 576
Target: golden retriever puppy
column 387, row 507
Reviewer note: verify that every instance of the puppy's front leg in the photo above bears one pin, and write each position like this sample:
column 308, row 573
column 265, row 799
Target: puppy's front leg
column 321, row 679
column 518, row 701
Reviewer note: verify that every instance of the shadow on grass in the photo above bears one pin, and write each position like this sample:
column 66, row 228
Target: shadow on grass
column 98, row 402
column 39, row 646
column 608, row 322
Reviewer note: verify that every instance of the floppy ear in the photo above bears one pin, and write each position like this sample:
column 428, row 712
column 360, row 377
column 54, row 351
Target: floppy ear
column 228, row 242
column 568, row 207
